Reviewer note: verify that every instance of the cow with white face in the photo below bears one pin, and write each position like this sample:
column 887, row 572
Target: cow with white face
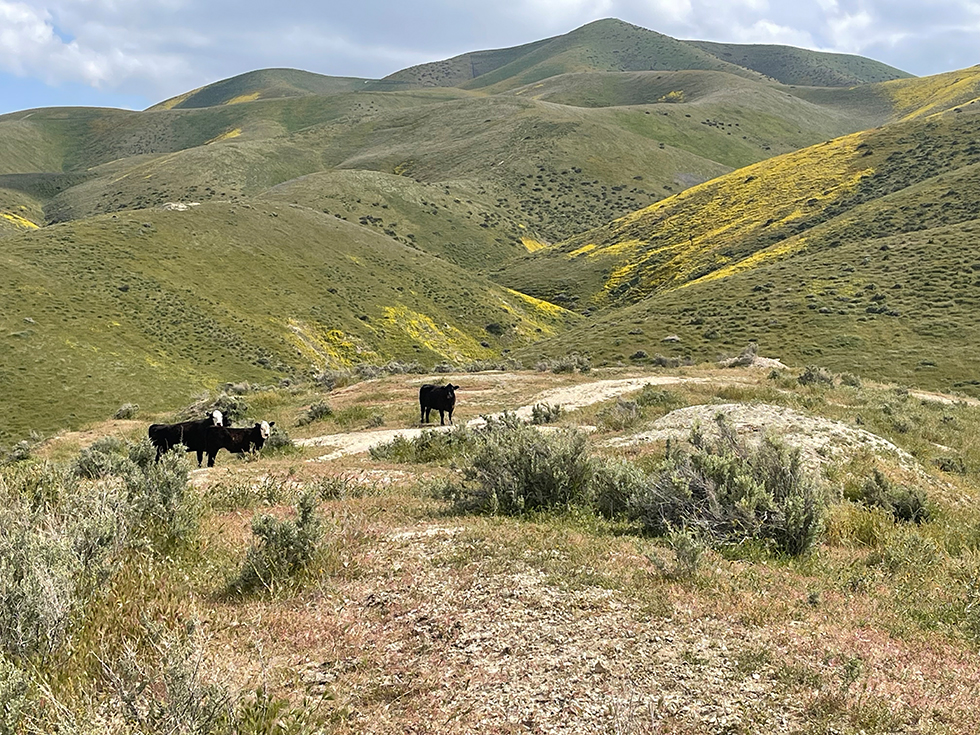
column 237, row 440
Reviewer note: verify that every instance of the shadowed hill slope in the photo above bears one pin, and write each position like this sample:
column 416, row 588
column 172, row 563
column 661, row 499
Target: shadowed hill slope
column 791, row 65
column 152, row 307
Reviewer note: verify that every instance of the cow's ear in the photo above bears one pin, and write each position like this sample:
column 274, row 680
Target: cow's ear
column 272, row 423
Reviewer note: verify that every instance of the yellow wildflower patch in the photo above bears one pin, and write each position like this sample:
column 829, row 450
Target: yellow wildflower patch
column 447, row 341
column 19, row 221
column 919, row 97
column 698, row 228
column 582, row 250
column 547, row 307
column 531, row 245
column 225, row 136
column 244, row 98
column 327, row 347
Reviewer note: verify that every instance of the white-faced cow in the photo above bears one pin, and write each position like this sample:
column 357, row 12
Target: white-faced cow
column 237, row 440
column 439, row 397
column 192, row 434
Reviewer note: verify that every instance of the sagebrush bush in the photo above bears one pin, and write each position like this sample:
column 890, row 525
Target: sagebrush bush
column 815, row 375
column 904, row 503
column 515, row 469
column 317, row 411
column 620, row 415
column 14, row 696
column 106, row 457
column 545, row 413
column 730, row 492
column 127, row 411
column 614, row 482
column 282, row 548
column 432, row 445
column 688, row 548
column 651, row 395
column 279, row 442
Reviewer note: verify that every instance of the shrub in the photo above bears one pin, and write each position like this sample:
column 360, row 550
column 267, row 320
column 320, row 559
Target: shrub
column 650, row 395
column 850, row 380
column 614, row 482
column 545, row 413
column 443, row 367
column 104, row 458
column 431, row 445
column 747, row 356
column 282, row 548
column 166, row 512
column 279, row 442
column 14, row 690
column 688, row 548
column 516, row 469
column 333, row 379
column 904, row 503
column 814, row 375
column 316, row 412
column 729, row 492
column 621, row 415
column 127, row 411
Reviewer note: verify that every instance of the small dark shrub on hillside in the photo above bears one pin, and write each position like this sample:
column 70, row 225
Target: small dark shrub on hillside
column 729, row 492
column 367, row 371
column 279, row 442
column 127, row 411
column 282, row 548
column 850, row 380
column 516, row 469
column 545, row 413
column 747, row 356
column 316, row 412
column 952, row 465
column 814, row 375
column 565, row 364
column 904, row 503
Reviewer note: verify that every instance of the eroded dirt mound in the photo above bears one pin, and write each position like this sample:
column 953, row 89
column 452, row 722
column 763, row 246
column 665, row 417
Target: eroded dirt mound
column 820, row 440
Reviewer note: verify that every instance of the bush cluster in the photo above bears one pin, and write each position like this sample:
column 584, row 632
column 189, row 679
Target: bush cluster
column 282, row 548
column 730, row 492
column 903, row 503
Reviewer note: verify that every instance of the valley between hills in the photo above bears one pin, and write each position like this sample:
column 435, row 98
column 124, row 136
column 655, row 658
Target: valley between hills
column 715, row 468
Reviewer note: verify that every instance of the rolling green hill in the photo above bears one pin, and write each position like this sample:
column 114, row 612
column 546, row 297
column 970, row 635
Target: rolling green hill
column 611, row 45
column 154, row 306
column 791, row 65
column 263, row 84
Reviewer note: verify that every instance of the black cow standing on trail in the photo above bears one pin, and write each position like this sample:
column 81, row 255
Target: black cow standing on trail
column 439, row 397
column 192, row 434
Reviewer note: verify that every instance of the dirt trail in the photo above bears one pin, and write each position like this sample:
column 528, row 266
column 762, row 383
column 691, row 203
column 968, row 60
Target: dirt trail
column 568, row 397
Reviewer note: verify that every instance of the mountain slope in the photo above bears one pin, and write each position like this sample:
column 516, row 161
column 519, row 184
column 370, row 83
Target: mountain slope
column 791, row 65
column 152, row 307
column 262, row 84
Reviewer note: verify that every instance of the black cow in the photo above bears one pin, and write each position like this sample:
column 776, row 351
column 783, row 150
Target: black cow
column 440, row 397
column 237, row 440
column 192, row 434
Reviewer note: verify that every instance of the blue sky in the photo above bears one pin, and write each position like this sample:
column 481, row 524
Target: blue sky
column 134, row 53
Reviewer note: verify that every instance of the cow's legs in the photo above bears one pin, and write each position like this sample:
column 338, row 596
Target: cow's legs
column 442, row 417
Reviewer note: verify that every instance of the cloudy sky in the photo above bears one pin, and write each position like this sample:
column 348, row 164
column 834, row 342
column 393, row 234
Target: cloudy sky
column 134, row 53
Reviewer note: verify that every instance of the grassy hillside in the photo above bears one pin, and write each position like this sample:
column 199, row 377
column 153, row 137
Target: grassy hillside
column 791, row 65
column 262, row 84
column 604, row 45
column 764, row 212
column 152, row 307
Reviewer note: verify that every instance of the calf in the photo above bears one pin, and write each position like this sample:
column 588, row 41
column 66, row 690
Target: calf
column 192, row 434
column 440, row 397
column 237, row 440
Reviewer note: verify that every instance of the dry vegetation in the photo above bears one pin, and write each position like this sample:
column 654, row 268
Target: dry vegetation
column 283, row 594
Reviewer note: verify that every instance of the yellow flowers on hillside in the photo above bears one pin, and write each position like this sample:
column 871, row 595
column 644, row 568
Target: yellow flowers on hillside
column 244, row 98
column 918, row 97
column 234, row 133
column 19, row 221
column 532, row 245
column 688, row 236
column 447, row 341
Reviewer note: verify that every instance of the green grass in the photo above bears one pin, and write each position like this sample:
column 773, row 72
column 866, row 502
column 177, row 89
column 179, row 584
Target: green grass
column 155, row 306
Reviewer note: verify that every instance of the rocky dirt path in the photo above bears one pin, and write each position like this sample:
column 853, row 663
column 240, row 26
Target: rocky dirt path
column 568, row 397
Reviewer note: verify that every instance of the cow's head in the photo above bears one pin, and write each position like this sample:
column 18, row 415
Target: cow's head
column 265, row 429
column 216, row 418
